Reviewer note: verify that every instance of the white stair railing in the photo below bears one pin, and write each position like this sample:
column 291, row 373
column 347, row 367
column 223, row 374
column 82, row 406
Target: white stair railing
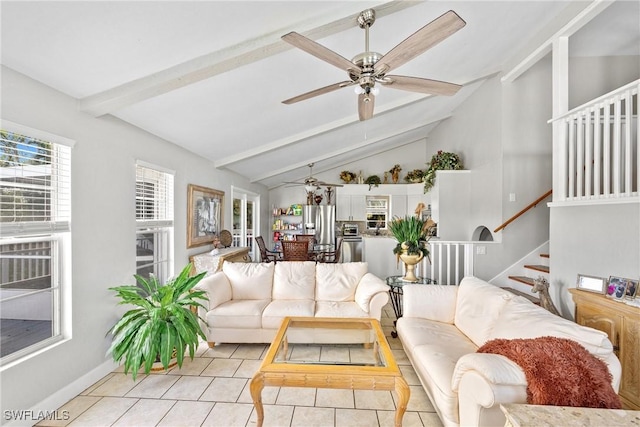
column 448, row 262
column 597, row 149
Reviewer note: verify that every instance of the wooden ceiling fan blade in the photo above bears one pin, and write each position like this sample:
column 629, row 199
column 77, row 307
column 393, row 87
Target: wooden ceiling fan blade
column 320, row 52
column 426, row 37
column 417, row 84
column 365, row 106
column 316, row 92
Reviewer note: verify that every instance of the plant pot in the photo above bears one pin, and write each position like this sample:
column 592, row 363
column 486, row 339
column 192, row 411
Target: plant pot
column 410, row 262
column 157, row 366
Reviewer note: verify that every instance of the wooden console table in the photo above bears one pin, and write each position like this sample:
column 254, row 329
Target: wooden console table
column 622, row 323
column 211, row 261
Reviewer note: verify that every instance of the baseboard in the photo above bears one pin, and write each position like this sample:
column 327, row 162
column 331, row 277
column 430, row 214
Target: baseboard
column 62, row 396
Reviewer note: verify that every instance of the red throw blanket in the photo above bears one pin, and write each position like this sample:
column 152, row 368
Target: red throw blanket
column 559, row 372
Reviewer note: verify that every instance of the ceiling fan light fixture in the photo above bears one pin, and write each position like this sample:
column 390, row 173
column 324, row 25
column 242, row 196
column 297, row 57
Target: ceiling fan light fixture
column 310, row 188
column 358, row 90
column 375, row 91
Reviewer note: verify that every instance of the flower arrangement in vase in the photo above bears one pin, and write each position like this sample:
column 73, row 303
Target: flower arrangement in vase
column 395, row 173
column 347, row 176
column 414, row 176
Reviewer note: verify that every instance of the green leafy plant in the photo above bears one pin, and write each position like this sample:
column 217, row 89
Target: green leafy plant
column 411, row 233
column 373, row 180
column 442, row 160
column 161, row 325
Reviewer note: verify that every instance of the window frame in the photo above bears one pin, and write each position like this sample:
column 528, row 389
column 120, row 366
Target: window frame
column 161, row 224
column 57, row 231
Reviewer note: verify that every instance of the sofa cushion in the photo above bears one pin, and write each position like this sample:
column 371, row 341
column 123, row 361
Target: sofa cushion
column 477, row 308
column 249, row 280
column 339, row 309
column 294, row 281
column 522, row 319
column 237, row 314
column 279, row 309
column 338, row 282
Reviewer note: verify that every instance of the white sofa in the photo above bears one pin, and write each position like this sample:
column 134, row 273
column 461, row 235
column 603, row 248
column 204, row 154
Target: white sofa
column 248, row 301
column 443, row 326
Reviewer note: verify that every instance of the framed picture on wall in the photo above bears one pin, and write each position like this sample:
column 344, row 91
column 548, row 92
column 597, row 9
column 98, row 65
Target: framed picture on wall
column 591, row 283
column 204, row 215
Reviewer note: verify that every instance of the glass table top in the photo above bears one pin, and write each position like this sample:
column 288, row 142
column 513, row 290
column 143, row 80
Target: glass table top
column 397, row 282
column 353, row 342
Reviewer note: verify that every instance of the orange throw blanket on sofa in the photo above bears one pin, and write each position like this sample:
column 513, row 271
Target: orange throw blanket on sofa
column 559, row 372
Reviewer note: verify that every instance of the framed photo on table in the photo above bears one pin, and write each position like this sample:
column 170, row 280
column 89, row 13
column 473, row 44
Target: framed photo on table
column 617, row 288
column 591, row 283
column 204, row 215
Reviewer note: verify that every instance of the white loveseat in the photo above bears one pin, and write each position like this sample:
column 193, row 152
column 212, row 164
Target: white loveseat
column 248, row 301
column 443, row 326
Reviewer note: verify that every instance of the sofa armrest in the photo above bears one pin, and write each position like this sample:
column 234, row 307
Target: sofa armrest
column 217, row 288
column 372, row 294
column 483, row 381
column 432, row 302
column 494, row 368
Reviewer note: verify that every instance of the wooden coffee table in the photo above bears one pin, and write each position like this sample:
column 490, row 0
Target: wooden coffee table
column 359, row 358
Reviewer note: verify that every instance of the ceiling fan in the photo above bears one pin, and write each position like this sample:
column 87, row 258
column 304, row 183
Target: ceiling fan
column 368, row 68
column 311, row 184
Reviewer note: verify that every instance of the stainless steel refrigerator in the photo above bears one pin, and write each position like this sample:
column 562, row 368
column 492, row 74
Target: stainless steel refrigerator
column 320, row 220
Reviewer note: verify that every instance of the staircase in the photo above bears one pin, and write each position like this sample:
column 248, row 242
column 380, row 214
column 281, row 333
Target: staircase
column 522, row 284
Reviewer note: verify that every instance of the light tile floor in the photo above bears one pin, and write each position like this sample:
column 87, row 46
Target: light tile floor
column 213, row 390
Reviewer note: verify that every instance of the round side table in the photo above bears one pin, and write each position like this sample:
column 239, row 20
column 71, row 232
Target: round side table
column 395, row 284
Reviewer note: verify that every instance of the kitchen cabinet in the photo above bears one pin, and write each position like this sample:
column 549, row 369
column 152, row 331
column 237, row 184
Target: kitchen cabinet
column 350, row 207
column 399, row 205
column 621, row 322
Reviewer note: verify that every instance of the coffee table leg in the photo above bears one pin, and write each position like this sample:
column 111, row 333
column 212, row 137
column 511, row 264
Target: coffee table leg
column 255, row 387
column 403, row 392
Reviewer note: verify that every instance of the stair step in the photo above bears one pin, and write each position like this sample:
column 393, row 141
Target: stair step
column 542, row 268
column 522, row 279
column 544, row 255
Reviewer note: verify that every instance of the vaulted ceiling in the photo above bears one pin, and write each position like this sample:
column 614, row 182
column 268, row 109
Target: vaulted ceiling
column 210, row 75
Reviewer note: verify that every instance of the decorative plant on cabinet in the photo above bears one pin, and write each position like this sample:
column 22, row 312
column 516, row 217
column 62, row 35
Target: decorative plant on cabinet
column 442, row 160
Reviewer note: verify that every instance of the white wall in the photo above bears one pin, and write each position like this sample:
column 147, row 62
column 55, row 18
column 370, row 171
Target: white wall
column 602, row 240
column 103, row 226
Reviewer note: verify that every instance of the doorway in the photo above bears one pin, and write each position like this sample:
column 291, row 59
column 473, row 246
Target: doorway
column 245, row 208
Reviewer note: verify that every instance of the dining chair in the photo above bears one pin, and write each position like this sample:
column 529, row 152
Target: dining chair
column 311, row 238
column 295, row 250
column 265, row 254
column 331, row 257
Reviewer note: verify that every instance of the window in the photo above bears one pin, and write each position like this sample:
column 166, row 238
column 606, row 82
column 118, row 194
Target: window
column 377, row 212
column 154, row 222
column 35, row 214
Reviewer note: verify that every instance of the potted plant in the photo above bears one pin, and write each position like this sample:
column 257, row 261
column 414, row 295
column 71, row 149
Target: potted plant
column 373, row 181
column 414, row 176
column 442, row 160
column 161, row 325
column 412, row 235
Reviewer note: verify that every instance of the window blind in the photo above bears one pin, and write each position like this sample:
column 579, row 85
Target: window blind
column 35, row 185
column 154, row 196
